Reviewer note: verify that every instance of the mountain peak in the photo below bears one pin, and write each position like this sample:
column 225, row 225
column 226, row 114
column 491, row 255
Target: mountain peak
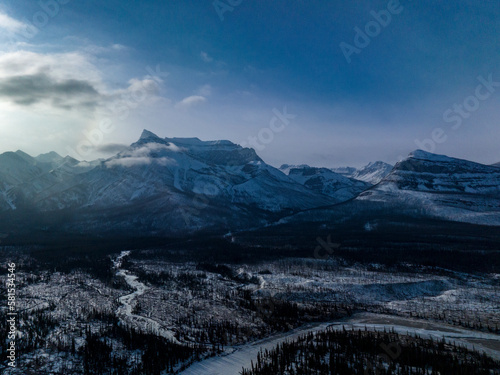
column 146, row 134
column 376, row 164
column 373, row 173
column 424, row 155
column 49, row 157
column 286, row 168
column 24, row 156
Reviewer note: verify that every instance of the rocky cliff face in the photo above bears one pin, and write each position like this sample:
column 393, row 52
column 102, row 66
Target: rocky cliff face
column 449, row 188
column 163, row 182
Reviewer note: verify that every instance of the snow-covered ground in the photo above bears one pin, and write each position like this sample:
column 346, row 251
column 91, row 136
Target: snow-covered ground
column 242, row 356
column 125, row 310
column 193, row 305
column 239, row 357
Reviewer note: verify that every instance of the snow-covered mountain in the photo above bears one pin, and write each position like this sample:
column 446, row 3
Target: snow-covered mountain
column 346, row 171
column 285, row 168
column 373, row 173
column 217, row 170
column 157, row 182
column 23, row 178
column 325, row 181
column 444, row 187
column 167, row 185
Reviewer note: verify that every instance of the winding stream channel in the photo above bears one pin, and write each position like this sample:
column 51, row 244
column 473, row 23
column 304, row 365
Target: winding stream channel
column 237, row 357
column 124, row 312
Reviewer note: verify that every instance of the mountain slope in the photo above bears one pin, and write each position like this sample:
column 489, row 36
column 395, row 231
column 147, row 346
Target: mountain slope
column 345, row 171
column 158, row 184
column 178, row 185
column 24, row 180
column 373, row 173
column 220, row 170
column 325, row 181
column 445, row 187
column 285, row 168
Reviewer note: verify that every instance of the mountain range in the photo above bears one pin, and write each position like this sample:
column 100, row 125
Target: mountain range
column 444, row 187
column 162, row 186
column 372, row 173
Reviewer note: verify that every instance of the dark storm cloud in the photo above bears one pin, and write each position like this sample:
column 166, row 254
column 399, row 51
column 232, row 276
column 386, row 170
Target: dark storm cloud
column 27, row 90
column 112, row 148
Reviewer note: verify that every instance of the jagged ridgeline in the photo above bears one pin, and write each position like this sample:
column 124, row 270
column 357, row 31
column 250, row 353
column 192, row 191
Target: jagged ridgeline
column 363, row 352
column 172, row 186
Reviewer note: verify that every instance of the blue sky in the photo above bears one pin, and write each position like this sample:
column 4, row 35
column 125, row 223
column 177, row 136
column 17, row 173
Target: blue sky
column 90, row 67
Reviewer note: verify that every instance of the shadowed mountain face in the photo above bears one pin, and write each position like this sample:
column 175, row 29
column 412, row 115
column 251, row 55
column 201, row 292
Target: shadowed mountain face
column 325, row 181
column 181, row 185
column 423, row 171
column 24, row 179
column 163, row 184
column 346, row 171
column 445, row 187
column 371, row 174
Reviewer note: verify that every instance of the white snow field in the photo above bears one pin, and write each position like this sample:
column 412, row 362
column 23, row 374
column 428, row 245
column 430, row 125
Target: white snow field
column 124, row 312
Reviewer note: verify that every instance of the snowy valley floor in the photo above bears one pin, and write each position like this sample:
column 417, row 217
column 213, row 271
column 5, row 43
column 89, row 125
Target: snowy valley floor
column 219, row 315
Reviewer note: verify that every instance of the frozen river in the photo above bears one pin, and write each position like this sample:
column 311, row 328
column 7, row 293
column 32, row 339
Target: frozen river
column 125, row 313
column 240, row 357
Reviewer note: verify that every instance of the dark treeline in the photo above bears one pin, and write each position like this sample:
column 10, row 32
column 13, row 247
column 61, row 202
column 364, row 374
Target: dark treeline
column 152, row 354
column 106, row 347
column 350, row 352
column 279, row 316
column 395, row 237
column 283, row 315
column 394, row 242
